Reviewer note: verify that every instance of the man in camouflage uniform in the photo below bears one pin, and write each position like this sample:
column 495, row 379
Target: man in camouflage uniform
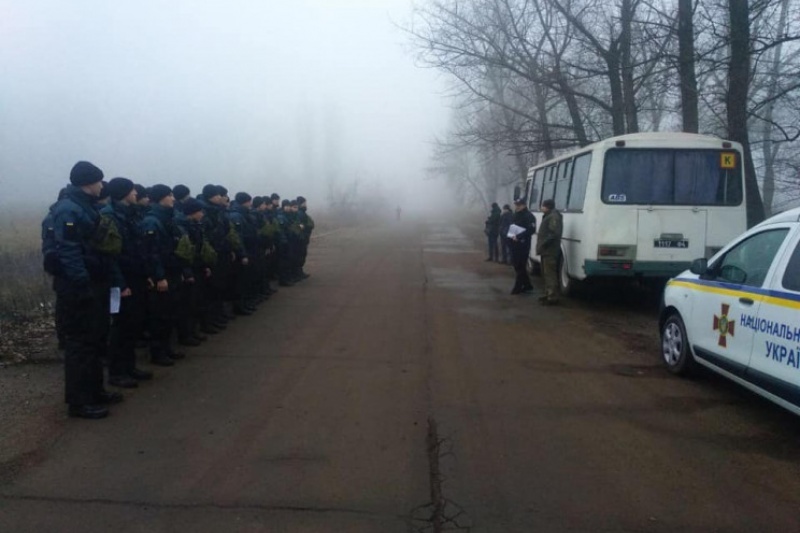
column 548, row 247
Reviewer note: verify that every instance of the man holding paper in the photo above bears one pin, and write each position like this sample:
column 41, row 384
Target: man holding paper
column 520, row 233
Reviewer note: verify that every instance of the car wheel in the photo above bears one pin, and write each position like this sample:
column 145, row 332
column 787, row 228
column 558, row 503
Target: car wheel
column 675, row 346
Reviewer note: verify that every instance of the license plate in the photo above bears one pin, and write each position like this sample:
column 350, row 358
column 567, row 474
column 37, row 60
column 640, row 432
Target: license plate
column 667, row 243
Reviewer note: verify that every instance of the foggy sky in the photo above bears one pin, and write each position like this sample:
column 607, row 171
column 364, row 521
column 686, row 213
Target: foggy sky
column 261, row 96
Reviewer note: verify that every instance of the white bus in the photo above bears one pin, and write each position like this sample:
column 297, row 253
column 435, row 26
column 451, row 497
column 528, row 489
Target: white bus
column 641, row 205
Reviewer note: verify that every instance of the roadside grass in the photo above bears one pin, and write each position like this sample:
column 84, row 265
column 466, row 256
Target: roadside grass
column 26, row 296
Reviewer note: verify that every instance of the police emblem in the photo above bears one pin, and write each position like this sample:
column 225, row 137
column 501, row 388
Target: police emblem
column 724, row 325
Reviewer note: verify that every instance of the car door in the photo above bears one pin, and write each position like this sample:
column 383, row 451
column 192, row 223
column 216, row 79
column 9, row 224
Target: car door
column 775, row 362
column 729, row 296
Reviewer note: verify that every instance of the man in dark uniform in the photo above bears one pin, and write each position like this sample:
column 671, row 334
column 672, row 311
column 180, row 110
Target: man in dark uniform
column 164, row 271
column 521, row 245
column 83, row 283
column 284, row 218
column 548, row 247
column 272, row 234
column 216, row 227
column 127, row 324
column 506, row 219
column 307, row 226
column 492, row 231
column 191, row 305
column 243, row 224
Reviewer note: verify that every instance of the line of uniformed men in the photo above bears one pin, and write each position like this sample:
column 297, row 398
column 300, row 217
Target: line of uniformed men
column 178, row 266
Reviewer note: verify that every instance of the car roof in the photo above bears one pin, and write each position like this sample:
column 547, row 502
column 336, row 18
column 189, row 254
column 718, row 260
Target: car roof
column 792, row 215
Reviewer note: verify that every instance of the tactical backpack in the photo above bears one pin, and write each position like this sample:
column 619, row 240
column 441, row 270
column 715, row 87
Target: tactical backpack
column 106, row 238
column 185, row 250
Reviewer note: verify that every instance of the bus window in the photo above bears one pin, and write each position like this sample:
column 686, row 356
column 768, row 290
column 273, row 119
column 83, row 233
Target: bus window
column 580, row 177
column 562, row 184
column 536, row 186
column 549, row 187
column 671, row 177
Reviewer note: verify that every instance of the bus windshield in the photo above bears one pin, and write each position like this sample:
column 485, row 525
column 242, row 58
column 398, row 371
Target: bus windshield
column 672, row 177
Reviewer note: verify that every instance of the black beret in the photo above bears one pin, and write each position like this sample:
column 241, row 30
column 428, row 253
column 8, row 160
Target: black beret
column 141, row 191
column 242, row 198
column 222, row 190
column 181, row 192
column 274, row 196
column 300, row 200
column 293, row 203
column 191, row 206
column 159, row 192
column 284, row 203
column 258, row 201
column 549, row 204
column 85, row 173
column 210, row 191
column 119, row 188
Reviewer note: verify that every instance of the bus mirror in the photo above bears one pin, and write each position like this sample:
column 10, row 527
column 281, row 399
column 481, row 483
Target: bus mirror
column 699, row 266
column 517, row 192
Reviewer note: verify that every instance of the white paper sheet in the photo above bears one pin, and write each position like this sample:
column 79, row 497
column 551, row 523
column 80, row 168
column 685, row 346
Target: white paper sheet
column 116, row 299
column 514, row 230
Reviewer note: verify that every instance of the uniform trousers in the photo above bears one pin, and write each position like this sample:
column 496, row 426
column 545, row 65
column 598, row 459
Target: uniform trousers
column 161, row 308
column 550, row 275
column 126, row 328
column 84, row 325
column 520, row 252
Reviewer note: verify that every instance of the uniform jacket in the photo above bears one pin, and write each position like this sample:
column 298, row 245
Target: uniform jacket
column 492, row 226
column 160, row 240
column 75, row 221
column 549, row 241
column 216, row 227
column 506, row 219
column 307, row 223
column 243, row 222
column 131, row 261
column 524, row 219
column 194, row 231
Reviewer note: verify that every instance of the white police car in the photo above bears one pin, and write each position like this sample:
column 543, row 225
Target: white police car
column 739, row 312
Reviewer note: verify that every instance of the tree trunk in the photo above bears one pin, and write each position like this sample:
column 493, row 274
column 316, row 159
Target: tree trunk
column 686, row 72
column 617, row 101
column 541, row 108
column 736, row 104
column 769, row 148
column 572, row 106
column 628, row 87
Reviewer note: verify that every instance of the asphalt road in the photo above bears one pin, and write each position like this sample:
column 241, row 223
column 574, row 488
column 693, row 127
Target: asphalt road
column 402, row 388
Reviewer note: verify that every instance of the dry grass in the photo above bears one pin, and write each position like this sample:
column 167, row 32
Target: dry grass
column 25, row 289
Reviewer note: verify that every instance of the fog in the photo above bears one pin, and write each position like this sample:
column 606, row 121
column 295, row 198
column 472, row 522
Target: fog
column 260, row 96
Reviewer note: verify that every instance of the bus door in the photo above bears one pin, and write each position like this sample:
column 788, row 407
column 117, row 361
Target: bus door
column 666, row 234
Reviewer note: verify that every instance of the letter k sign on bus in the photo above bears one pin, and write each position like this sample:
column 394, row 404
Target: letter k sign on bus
column 727, row 160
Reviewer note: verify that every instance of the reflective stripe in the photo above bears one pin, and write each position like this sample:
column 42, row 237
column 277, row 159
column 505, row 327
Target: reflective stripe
column 779, row 298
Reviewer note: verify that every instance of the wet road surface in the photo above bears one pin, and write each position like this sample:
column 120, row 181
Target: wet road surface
column 402, row 389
